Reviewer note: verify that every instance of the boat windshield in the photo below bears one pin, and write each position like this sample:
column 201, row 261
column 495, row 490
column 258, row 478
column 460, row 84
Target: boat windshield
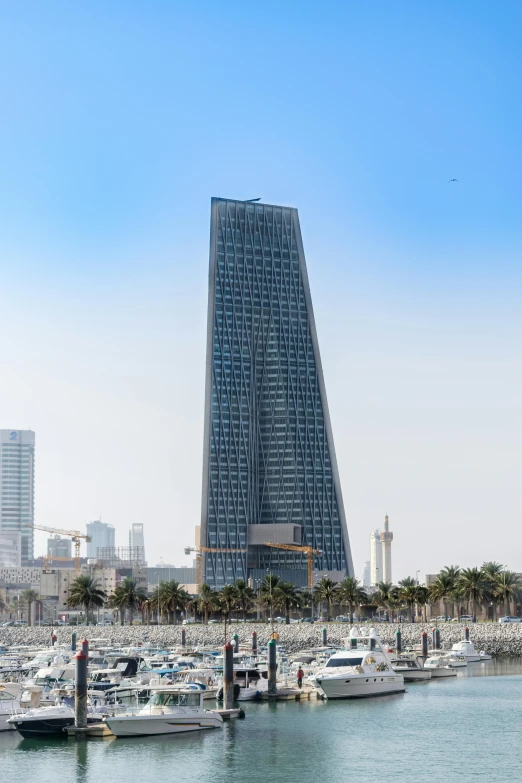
column 174, row 700
column 344, row 662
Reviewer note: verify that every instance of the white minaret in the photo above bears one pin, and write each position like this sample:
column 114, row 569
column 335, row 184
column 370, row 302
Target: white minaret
column 375, row 558
column 386, row 541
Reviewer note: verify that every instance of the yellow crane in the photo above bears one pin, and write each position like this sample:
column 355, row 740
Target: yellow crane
column 199, row 554
column 75, row 535
column 309, row 551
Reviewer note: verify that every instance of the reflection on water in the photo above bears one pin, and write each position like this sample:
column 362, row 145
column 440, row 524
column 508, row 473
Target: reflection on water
column 462, row 728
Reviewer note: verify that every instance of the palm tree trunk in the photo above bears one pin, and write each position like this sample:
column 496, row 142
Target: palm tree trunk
column 121, row 612
column 206, row 615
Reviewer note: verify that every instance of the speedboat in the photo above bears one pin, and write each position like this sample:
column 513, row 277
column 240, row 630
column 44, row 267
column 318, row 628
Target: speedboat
column 411, row 669
column 439, row 667
column 52, row 720
column 361, row 670
column 484, row 656
column 167, row 712
column 467, row 650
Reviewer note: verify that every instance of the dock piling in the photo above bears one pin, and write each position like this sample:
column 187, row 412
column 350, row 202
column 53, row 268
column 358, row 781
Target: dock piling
column 228, row 676
column 272, row 669
column 398, row 641
column 183, row 637
column 466, row 633
column 73, row 641
column 80, row 694
column 235, row 639
column 254, row 642
column 424, row 644
column 324, row 637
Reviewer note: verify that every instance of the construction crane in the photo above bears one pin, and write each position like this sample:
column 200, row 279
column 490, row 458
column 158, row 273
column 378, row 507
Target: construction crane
column 199, row 554
column 49, row 559
column 75, row 535
column 309, row 551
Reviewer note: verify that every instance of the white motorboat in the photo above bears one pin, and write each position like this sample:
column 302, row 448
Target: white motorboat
column 454, row 660
column 411, row 669
column 439, row 667
column 484, row 656
column 466, row 649
column 9, row 703
column 362, row 670
column 167, row 712
column 51, row 720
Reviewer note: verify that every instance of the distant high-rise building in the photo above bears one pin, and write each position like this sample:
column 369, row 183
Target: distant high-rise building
column 366, row 574
column 376, row 573
column 386, row 542
column 270, row 472
column 102, row 536
column 10, row 549
column 137, row 539
column 59, row 547
column 17, row 488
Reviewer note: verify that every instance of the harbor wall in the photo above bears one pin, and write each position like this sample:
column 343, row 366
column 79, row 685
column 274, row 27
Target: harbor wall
column 495, row 638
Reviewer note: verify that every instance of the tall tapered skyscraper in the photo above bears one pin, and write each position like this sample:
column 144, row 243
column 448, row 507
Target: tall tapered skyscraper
column 270, row 472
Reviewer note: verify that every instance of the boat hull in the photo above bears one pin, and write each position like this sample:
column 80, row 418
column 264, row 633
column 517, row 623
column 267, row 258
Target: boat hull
column 350, row 687
column 4, row 726
column 415, row 675
column 50, row 727
column 144, row 726
column 443, row 671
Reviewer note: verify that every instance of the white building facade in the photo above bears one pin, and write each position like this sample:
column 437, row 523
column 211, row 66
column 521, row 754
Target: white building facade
column 17, row 488
column 137, row 539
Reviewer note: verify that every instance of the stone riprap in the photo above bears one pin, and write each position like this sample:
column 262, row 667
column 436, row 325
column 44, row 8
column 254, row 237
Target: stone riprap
column 495, row 638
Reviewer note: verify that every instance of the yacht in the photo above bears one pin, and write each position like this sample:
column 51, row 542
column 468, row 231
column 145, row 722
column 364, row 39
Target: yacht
column 439, row 666
column 361, row 670
column 167, row 712
column 411, row 669
column 51, row 720
column 467, row 650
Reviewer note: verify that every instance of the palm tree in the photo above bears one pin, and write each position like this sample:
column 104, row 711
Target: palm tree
column 442, row 589
column 383, row 597
column 128, row 596
column 245, row 597
column 287, row 597
column 29, row 597
column 85, row 592
column 207, row 600
column 472, row 586
column 491, row 571
column 3, row 605
column 228, row 599
column 423, row 598
column 507, row 588
column 408, row 593
column 117, row 601
column 351, row 593
column 326, row 590
column 266, row 592
column 172, row 598
column 453, row 573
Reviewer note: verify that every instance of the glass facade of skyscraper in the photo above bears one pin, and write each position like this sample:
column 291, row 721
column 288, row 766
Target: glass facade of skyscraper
column 270, row 472
column 17, row 488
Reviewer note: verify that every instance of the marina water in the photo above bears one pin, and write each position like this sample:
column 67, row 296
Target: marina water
column 465, row 728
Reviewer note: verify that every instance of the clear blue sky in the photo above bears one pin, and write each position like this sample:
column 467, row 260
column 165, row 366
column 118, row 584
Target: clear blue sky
column 120, row 120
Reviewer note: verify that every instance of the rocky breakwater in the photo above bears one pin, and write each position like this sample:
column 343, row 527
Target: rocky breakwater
column 495, row 638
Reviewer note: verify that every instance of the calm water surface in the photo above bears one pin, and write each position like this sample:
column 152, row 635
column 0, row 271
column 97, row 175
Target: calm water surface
column 466, row 729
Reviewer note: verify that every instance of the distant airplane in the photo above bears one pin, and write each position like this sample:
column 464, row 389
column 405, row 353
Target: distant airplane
column 453, row 180
column 250, row 200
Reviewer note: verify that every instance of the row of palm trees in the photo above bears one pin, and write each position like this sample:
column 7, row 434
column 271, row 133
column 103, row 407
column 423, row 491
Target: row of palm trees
column 20, row 604
column 170, row 599
column 490, row 586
